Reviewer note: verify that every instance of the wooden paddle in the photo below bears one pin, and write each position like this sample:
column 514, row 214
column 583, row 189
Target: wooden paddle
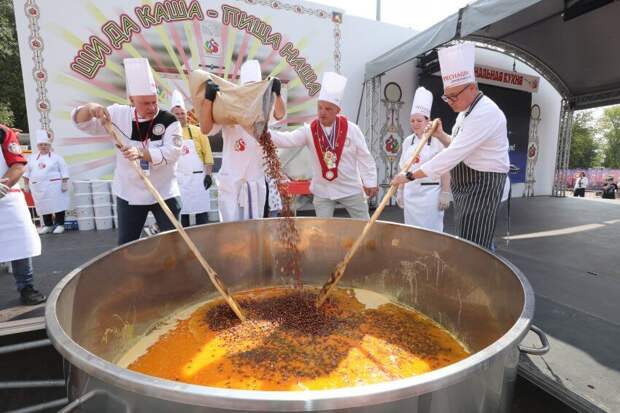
column 215, row 279
column 342, row 266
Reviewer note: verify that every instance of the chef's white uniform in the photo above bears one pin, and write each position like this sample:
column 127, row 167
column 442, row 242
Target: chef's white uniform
column 18, row 235
column 134, row 201
column 190, row 174
column 241, row 179
column 421, row 197
column 356, row 169
column 164, row 147
column 45, row 174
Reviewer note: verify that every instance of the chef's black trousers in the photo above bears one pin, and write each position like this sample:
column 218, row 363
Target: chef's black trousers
column 131, row 218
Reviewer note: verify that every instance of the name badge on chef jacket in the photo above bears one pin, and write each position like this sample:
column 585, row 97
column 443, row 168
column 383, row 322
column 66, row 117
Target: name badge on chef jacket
column 144, row 165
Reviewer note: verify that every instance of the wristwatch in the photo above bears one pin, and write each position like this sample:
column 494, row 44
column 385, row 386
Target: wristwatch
column 409, row 175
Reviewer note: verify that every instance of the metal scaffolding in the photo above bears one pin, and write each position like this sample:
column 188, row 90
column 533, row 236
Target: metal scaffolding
column 563, row 154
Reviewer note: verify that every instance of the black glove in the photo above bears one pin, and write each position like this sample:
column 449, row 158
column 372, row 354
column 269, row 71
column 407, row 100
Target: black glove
column 211, row 90
column 276, row 86
column 207, row 182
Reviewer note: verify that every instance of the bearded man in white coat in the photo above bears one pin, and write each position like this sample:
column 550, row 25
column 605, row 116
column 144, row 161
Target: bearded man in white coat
column 241, row 184
column 47, row 178
column 344, row 171
column 151, row 136
column 424, row 200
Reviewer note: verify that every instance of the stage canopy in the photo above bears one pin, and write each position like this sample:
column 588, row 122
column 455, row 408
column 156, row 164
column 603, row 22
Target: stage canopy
column 573, row 44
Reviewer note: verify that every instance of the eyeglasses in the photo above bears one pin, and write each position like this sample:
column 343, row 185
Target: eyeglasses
column 453, row 98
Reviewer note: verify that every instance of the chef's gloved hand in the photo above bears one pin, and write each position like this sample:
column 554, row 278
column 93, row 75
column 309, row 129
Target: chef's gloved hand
column 64, row 186
column 4, row 189
column 444, row 200
column 400, row 197
column 276, row 86
column 211, row 90
column 207, row 181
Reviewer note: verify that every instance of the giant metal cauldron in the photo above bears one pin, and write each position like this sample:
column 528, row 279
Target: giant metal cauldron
column 99, row 310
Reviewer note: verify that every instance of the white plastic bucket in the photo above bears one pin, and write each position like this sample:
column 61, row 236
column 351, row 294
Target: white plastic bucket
column 102, row 210
column 80, row 198
column 81, row 187
column 86, row 223
column 100, row 198
column 101, row 186
column 103, row 223
column 84, row 211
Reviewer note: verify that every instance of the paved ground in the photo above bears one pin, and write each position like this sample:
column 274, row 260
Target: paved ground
column 568, row 248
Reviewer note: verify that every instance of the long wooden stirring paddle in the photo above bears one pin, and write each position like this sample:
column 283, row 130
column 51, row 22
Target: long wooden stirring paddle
column 342, row 266
column 215, row 279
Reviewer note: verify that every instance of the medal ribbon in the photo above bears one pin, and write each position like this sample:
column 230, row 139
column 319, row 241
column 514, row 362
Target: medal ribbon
column 322, row 144
column 145, row 141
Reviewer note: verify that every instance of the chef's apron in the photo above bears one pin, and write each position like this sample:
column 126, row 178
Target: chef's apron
column 195, row 198
column 18, row 235
column 477, row 196
column 45, row 181
column 422, row 195
column 241, row 180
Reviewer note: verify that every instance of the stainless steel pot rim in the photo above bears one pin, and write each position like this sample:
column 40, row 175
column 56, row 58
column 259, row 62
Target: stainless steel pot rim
column 253, row 400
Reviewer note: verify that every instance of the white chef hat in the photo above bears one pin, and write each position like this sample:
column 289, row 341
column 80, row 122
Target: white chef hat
column 177, row 100
column 422, row 102
column 41, row 136
column 457, row 64
column 139, row 79
column 332, row 88
column 250, row 72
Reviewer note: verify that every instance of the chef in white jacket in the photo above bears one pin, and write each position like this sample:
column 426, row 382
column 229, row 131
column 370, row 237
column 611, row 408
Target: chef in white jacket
column 194, row 166
column 344, row 171
column 19, row 241
column 424, row 200
column 241, row 179
column 151, row 136
column 477, row 150
column 47, row 178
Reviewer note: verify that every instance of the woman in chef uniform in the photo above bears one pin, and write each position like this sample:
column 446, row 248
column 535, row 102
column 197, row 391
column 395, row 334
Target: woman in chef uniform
column 194, row 166
column 424, row 199
column 47, row 177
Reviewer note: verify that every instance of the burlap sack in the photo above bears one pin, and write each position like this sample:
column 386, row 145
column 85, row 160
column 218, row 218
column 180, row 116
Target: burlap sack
column 247, row 105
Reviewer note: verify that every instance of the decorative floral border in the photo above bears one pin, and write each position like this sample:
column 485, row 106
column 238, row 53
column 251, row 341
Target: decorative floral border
column 39, row 74
column 320, row 13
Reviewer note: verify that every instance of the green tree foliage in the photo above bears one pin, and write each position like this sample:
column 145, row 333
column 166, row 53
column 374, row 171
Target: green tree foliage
column 583, row 145
column 12, row 102
column 610, row 125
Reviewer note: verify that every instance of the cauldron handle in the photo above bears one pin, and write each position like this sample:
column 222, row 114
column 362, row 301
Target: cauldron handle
column 88, row 396
column 537, row 351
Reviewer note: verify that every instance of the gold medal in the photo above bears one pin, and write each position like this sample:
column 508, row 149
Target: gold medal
column 330, row 159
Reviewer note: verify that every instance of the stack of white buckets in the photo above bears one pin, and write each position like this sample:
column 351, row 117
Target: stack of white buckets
column 94, row 205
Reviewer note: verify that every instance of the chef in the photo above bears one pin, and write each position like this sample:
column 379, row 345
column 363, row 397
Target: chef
column 344, row 171
column 19, row 240
column 152, row 137
column 477, row 152
column 194, row 166
column 424, row 199
column 47, row 177
column 241, row 179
